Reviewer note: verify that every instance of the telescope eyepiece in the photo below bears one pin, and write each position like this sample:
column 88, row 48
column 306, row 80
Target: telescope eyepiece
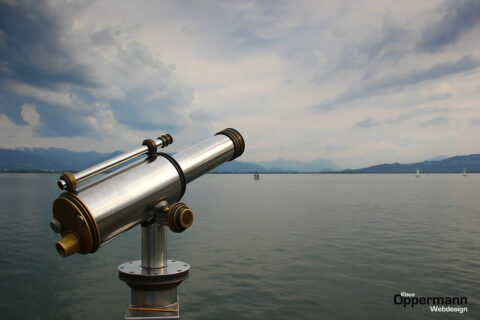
column 68, row 245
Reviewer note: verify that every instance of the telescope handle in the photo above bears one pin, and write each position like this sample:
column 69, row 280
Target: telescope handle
column 68, row 181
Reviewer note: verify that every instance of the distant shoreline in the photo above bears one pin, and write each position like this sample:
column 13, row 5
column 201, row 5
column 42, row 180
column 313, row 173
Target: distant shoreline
column 333, row 172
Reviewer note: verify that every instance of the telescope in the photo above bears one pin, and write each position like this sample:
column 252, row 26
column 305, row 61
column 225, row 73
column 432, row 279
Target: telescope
column 145, row 191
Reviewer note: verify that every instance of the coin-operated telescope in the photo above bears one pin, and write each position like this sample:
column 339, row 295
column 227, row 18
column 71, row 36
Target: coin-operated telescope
column 146, row 191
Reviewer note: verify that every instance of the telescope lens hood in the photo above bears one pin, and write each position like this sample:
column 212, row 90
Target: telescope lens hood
column 237, row 139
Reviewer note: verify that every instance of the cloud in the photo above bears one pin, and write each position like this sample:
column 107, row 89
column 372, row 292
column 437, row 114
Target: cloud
column 31, row 54
column 458, row 17
column 383, row 84
column 245, row 38
column 385, row 43
column 438, row 121
column 475, row 122
column 79, row 75
column 69, row 72
column 104, row 37
column 151, row 95
column 202, row 116
column 60, row 122
column 29, row 114
column 367, row 123
column 33, row 50
column 404, row 116
column 436, row 71
column 415, row 113
column 419, row 99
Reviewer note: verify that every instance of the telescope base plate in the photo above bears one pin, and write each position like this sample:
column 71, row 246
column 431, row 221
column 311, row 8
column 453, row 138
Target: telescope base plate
column 154, row 291
column 133, row 272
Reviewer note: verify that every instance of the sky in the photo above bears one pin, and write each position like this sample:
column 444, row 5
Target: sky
column 357, row 82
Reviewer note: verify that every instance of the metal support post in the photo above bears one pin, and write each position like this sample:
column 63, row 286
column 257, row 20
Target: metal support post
column 154, row 246
column 154, row 279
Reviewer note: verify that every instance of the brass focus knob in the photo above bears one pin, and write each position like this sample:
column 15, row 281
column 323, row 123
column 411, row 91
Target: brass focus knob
column 180, row 217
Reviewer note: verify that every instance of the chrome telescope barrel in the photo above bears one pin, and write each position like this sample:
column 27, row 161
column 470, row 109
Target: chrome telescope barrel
column 68, row 181
column 96, row 214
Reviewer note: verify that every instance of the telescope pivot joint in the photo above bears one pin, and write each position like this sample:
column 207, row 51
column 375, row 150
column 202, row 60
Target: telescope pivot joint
column 179, row 217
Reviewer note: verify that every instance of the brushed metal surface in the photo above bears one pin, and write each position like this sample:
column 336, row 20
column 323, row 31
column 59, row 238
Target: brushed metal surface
column 154, row 246
column 125, row 198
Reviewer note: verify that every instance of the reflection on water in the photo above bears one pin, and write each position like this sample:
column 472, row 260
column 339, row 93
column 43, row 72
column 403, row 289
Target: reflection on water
column 284, row 247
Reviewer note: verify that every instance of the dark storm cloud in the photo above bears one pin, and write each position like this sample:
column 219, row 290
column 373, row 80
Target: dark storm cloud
column 32, row 53
column 39, row 56
column 30, row 49
column 458, row 16
column 384, row 84
column 10, row 105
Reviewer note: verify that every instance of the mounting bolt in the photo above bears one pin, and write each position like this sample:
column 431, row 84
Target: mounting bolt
column 79, row 220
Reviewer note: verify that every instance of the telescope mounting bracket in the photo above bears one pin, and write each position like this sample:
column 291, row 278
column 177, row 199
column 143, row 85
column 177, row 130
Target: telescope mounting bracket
column 154, row 279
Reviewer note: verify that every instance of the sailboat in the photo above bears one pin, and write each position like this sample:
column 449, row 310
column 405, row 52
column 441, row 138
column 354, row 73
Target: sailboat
column 418, row 173
column 464, row 172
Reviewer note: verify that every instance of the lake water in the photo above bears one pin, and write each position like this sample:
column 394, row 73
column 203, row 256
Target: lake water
column 329, row 246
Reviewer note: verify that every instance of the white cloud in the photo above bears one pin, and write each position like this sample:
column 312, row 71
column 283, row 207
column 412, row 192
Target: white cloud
column 29, row 114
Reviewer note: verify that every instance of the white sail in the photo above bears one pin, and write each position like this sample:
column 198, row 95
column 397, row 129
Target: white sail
column 418, row 173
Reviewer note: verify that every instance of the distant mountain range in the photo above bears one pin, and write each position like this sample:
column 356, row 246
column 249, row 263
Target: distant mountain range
column 319, row 165
column 280, row 165
column 51, row 159
column 438, row 158
column 471, row 163
column 58, row 159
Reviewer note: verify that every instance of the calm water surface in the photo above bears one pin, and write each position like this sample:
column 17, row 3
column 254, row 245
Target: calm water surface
column 284, row 247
